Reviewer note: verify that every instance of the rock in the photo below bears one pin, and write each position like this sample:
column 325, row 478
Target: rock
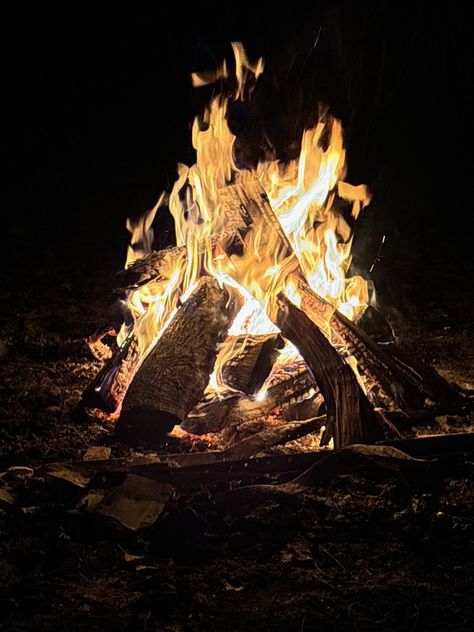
column 97, row 453
column 137, row 503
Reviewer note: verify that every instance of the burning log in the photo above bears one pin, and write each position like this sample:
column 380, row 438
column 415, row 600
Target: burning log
column 250, row 360
column 351, row 418
column 156, row 267
column 107, row 390
column 435, row 385
column 403, row 384
column 172, row 378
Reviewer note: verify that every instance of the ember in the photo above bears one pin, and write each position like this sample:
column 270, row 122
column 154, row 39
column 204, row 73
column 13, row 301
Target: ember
column 254, row 310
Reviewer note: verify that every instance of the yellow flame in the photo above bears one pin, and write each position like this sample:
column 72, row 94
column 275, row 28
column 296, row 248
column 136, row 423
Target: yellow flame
column 302, row 194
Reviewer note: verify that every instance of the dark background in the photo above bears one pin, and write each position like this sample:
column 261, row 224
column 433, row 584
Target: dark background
column 99, row 102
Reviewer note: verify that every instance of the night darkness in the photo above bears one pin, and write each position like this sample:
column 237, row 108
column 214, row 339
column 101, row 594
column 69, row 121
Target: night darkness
column 98, row 106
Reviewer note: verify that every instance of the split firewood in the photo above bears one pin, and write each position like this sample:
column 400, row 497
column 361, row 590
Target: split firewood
column 431, row 379
column 236, row 409
column 407, row 387
column 351, row 418
column 247, row 360
column 172, row 378
column 158, row 266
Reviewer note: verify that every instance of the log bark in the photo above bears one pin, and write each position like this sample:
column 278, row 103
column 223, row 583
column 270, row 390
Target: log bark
column 351, row 418
column 172, row 378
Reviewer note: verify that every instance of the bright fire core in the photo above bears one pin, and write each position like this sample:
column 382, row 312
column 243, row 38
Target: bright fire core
column 302, row 194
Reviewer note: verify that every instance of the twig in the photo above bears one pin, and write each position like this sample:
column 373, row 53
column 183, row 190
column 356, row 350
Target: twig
column 330, row 555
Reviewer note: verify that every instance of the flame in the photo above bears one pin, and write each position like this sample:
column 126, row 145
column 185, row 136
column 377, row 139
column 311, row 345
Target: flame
column 303, row 194
column 141, row 233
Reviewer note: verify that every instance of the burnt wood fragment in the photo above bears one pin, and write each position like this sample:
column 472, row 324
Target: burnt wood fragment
column 108, row 388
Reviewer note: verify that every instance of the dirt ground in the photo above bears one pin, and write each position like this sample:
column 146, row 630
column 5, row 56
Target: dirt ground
column 361, row 551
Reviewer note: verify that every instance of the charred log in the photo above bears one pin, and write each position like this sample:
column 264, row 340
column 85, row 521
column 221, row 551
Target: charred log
column 436, row 387
column 404, row 385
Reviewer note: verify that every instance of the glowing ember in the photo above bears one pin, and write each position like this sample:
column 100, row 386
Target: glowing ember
column 302, row 194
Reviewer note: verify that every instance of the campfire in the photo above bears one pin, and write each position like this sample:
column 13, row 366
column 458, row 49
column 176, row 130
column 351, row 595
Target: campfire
column 251, row 319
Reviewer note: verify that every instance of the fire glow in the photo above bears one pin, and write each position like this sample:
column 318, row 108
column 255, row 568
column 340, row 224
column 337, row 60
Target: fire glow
column 302, row 194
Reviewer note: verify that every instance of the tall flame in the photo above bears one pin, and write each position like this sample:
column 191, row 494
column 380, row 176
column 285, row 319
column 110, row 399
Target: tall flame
column 302, row 193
